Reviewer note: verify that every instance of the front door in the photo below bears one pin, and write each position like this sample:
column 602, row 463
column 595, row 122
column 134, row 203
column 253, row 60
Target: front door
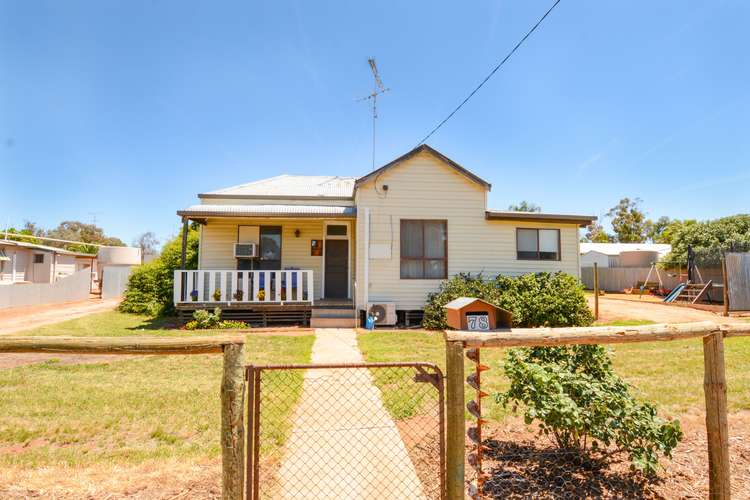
column 337, row 269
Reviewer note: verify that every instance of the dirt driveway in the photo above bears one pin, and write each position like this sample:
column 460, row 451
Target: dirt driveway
column 18, row 319
column 616, row 309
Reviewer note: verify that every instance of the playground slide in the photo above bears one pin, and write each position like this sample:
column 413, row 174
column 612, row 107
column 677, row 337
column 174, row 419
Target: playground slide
column 674, row 293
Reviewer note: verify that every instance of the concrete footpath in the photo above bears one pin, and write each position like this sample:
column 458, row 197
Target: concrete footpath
column 344, row 443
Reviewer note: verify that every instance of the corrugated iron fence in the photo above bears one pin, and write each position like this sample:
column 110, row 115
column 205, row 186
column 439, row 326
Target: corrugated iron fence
column 738, row 275
column 370, row 430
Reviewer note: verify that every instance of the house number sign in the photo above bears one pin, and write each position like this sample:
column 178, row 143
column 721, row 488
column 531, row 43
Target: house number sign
column 478, row 322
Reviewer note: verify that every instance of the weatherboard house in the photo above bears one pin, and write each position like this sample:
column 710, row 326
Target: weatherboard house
column 324, row 249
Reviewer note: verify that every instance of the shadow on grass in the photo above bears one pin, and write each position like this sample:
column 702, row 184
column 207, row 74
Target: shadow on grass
column 157, row 323
column 526, row 470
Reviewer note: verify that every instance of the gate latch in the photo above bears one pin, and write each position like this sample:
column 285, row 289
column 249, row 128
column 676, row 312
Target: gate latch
column 424, row 377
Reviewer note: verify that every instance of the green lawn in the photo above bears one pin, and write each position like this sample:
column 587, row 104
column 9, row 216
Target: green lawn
column 125, row 411
column 669, row 373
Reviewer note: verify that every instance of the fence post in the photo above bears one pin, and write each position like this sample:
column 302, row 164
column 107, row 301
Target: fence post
column 596, row 291
column 232, row 430
column 455, row 426
column 725, row 290
column 717, row 429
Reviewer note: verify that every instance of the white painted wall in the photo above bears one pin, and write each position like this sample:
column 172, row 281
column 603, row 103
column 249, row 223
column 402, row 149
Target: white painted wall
column 425, row 188
column 588, row 259
column 72, row 288
column 218, row 237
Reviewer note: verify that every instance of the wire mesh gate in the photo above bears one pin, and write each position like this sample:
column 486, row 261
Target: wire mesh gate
column 369, row 430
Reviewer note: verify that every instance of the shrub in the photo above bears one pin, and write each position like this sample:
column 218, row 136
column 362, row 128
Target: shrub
column 575, row 396
column 204, row 320
column 150, row 286
column 540, row 299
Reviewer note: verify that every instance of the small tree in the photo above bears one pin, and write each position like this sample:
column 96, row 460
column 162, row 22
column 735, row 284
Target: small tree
column 595, row 233
column 575, row 396
column 150, row 286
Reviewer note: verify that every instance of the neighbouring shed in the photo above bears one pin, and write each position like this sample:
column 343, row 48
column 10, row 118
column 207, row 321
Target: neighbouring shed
column 622, row 254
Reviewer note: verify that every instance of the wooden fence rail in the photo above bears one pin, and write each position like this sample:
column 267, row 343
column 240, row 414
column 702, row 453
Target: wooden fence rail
column 232, row 382
column 714, row 385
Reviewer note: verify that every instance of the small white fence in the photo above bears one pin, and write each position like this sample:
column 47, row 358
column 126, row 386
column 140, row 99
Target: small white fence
column 243, row 287
column 71, row 288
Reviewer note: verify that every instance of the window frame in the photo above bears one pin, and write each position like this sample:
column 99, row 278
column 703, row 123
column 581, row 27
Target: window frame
column 538, row 252
column 423, row 258
column 37, row 259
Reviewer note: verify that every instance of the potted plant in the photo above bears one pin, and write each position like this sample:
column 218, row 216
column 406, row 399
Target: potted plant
column 238, row 295
column 217, row 295
column 261, row 294
column 194, row 295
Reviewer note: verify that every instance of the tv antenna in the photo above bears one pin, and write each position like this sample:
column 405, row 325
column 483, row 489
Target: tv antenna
column 378, row 89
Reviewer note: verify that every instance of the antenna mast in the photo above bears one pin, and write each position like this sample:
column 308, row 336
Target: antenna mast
column 378, row 89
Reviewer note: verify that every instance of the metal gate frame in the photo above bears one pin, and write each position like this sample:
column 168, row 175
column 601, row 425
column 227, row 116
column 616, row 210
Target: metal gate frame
column 253, row 378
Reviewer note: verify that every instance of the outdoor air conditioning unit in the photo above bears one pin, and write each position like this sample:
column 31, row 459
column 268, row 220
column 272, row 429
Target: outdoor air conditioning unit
column 384, row 312
column 245, row 250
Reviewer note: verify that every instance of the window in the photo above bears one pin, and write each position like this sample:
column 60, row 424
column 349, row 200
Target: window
column 424, row 249
column 538, row 244
column 336, row 230
column 38, row 258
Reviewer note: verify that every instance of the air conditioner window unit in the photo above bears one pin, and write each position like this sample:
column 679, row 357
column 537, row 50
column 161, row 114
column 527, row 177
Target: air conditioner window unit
column 384, row 312
column 245, row 250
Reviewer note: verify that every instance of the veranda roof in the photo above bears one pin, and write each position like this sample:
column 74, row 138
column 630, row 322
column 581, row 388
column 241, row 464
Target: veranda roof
column 269, row 211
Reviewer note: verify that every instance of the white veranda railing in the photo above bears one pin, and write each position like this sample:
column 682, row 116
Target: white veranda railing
column 232, row 286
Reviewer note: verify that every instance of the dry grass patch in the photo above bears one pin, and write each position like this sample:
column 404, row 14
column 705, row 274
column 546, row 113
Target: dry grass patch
column 74, row 420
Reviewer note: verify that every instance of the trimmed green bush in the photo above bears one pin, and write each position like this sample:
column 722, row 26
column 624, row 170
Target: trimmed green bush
column 540, row 299
column 150, row 286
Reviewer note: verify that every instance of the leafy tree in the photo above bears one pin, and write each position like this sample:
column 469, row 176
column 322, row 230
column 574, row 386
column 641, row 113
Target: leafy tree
column 595, row 233
column 150, row 286
column 657, row 228
column 525, row 206
column 25, row 234
column 83, row 232
column 629, row 221
column 147, row 242
column 577, row 398
column 709, row 239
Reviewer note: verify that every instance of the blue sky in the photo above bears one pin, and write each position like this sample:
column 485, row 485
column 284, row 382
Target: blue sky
column 124, row 110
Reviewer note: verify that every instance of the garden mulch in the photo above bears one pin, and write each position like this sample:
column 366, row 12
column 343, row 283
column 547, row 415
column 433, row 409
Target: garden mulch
column 521, row 464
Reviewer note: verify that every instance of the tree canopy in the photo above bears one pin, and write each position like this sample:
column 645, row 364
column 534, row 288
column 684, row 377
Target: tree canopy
column 629, row 221
column 709, row 239
column 66, row 230
column 525, row 206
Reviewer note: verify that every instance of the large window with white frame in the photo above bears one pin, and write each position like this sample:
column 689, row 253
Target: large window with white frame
column 537, row 244
column 424, row 249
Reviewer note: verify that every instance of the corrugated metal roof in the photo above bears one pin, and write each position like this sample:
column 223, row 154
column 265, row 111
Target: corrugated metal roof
column 268, row 211
column 618, row 248
column 46, row 248
column 293, row 186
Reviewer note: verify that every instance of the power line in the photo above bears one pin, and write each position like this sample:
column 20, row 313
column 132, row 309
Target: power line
column 491, row 73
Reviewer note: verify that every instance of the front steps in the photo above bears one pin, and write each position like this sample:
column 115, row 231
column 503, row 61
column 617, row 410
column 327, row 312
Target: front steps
column 343, row 316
